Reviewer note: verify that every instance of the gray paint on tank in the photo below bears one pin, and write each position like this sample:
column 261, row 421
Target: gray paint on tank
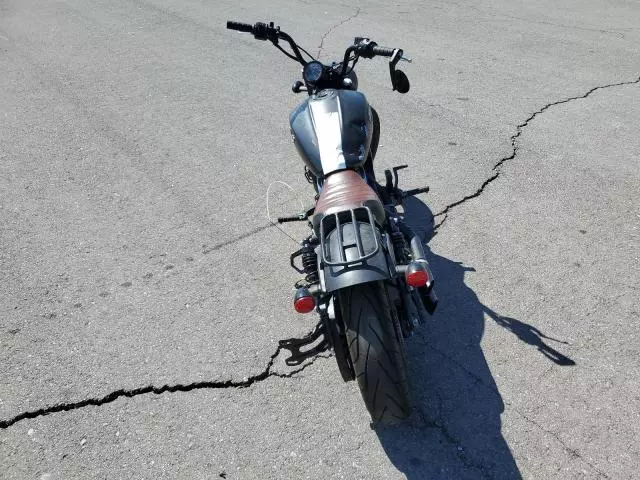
column 332, row 130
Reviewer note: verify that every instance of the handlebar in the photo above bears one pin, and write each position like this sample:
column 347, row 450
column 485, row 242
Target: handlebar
column 383, row 51
column 241, row 27
column 362, row 47
column 263, row 31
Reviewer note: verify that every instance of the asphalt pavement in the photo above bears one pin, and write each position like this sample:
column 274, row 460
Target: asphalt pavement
column 143, row 290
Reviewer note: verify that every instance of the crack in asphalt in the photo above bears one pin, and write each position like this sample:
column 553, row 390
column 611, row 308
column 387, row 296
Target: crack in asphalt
column 572, row 451
column 113, row 396
column 440, row 425
column 206, row 249
column 497, row 168
column 326, row 34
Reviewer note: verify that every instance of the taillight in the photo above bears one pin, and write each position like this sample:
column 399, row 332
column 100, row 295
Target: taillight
column 416, row 275
column 303, row 301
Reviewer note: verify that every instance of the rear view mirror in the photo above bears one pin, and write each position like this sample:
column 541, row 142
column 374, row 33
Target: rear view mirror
column 400, row 82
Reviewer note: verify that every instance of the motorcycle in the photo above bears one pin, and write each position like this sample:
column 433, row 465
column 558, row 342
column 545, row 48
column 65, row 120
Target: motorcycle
column 365, row 271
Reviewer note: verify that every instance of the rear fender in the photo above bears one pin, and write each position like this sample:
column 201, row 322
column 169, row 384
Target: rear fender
column 377, row 266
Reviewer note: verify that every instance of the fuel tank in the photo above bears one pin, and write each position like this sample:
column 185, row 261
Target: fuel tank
column 332, row 130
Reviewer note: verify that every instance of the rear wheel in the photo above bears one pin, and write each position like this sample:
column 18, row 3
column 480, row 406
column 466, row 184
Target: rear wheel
column 377, row 352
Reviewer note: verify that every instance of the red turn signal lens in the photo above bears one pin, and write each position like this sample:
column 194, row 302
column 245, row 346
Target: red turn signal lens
column 303, row 301
column 416, row 277
column 304, row 304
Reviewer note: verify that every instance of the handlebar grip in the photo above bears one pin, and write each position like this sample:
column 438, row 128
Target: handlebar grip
column 383, row 51
column 241, row 27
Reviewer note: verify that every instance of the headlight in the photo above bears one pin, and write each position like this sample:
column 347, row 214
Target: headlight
column 313, row 72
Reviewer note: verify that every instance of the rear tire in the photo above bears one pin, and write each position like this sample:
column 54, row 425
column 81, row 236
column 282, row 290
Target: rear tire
column 377, row 352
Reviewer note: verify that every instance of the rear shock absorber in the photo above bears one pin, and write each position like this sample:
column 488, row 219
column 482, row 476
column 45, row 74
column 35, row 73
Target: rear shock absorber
column 309, row 260
column 399, row 245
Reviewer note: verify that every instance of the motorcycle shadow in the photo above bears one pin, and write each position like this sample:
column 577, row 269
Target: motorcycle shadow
column 455, row 431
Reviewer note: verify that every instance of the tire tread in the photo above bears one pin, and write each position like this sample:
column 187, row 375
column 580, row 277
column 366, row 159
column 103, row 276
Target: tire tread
column 381, row 372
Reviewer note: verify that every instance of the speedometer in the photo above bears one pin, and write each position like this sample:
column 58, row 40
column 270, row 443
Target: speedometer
column 313, row 72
